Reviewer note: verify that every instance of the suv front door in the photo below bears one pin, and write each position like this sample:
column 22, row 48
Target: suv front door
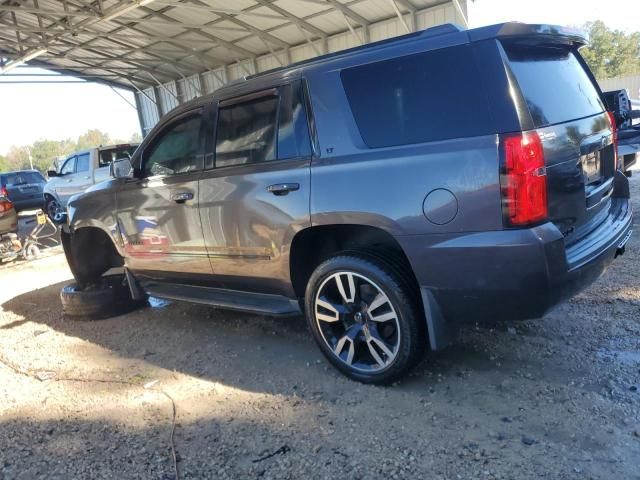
column 255, row 197
column 158, row 210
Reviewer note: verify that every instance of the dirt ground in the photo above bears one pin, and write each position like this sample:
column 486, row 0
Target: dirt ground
column 554, row 398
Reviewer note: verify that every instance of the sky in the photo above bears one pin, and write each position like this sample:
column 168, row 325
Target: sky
column 617, row 14
column 31, row 111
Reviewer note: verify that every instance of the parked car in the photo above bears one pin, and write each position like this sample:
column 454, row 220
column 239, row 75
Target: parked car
column 24, row 188
column 627, row 115
column 391, row 192
column 79, row 171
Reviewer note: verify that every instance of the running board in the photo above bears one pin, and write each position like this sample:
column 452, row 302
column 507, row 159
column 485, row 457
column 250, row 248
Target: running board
column 258, row 303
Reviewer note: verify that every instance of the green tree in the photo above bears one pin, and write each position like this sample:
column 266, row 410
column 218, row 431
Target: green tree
column 18, row 158
column 611, row 53
column 136, row 137
column 93, row 138
column 4, row 164
column 44, row 152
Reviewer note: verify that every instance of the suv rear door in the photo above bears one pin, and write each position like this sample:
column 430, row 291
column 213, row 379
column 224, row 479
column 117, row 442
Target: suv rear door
column 256, row 196
column 554, row 84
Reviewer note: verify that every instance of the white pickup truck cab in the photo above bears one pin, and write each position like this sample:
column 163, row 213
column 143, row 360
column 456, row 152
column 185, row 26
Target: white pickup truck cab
column 78, row 172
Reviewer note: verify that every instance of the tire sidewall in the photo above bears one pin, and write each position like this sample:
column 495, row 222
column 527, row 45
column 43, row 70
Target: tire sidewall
column 109, row 299
column 370, row 269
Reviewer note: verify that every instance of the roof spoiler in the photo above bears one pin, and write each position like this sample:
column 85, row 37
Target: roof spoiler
column 537, row 33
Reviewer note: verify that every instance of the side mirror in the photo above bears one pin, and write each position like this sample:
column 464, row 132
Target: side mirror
column 52, row 173
column 122, row 168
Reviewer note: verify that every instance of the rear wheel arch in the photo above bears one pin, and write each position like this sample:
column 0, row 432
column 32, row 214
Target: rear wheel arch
column 313, row 245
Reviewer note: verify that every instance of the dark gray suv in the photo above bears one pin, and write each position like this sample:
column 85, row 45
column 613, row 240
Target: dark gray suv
column 390, row 192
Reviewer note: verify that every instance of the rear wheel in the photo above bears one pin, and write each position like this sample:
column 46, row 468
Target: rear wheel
column 364, row 318
column 108, row 297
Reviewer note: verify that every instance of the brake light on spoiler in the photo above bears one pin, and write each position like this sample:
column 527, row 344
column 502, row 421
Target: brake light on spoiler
column 523, row 179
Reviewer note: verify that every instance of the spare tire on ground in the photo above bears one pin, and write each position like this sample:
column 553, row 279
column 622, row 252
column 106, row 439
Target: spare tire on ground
column 107, row 298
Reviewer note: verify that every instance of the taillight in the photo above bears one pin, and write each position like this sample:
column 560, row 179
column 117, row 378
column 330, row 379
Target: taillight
column 4, row 192
column 614, row 132
column 5, row 205
column 523, row 179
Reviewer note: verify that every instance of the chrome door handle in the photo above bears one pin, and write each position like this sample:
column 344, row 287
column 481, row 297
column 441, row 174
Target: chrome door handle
column 181, row 197
column 280, row 189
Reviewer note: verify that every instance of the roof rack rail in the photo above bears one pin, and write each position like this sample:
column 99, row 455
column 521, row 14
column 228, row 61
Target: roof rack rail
column 426, row 33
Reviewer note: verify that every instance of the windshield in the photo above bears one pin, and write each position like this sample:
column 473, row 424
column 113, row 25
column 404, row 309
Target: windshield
column 554, row 83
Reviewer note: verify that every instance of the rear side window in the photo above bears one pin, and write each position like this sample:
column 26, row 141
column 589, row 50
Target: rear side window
column 418, row 98
column 82, row 164
column 22, row 178
column 293, row 126
column 554, row 84
column 246, row 132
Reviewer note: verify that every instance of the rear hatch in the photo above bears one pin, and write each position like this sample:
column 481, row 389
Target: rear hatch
column 23, row 186
column 554, row 84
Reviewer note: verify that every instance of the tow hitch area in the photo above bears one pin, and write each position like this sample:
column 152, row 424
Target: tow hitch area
column 621, row 245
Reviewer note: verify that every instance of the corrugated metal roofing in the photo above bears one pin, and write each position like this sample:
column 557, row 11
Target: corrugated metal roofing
column 171, row 51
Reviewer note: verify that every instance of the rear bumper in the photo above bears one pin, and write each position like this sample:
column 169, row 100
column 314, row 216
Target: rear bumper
column 29, row 203
column 513, row 274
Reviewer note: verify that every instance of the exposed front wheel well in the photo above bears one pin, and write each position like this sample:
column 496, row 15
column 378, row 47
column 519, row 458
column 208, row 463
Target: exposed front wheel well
column 90, row 252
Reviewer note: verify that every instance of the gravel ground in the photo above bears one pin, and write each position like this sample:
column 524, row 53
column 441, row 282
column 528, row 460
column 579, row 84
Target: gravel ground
column 555, row 398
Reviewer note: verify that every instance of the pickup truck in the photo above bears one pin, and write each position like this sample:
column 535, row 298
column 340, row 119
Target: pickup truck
column 77, row 173
column 626, row 113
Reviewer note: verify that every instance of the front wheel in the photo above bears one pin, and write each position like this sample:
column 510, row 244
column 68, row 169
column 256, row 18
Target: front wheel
column 364, row 318
column 55, row 211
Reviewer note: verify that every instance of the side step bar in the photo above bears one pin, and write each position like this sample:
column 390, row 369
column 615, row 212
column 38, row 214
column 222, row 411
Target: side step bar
column 258, row 303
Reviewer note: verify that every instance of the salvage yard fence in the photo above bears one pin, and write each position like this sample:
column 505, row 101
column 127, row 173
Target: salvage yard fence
column 629, row 82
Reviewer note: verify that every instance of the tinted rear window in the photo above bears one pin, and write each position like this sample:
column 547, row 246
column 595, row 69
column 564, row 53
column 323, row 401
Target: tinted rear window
column 554, row 84
column 418, row 98
column 22, row 178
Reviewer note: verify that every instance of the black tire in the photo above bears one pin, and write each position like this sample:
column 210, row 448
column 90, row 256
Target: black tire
column 107, row 298
column 375, row 273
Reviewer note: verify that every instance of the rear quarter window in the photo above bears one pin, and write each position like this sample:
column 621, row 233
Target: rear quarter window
column 23, row 178
column 554, row 83
column 418, row 98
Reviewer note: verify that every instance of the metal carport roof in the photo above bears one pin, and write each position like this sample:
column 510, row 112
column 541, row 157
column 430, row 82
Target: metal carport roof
column 170, row 51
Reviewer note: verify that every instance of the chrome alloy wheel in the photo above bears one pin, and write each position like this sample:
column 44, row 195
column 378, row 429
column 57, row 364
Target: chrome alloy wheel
column 357, row 321
column 55, row 211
